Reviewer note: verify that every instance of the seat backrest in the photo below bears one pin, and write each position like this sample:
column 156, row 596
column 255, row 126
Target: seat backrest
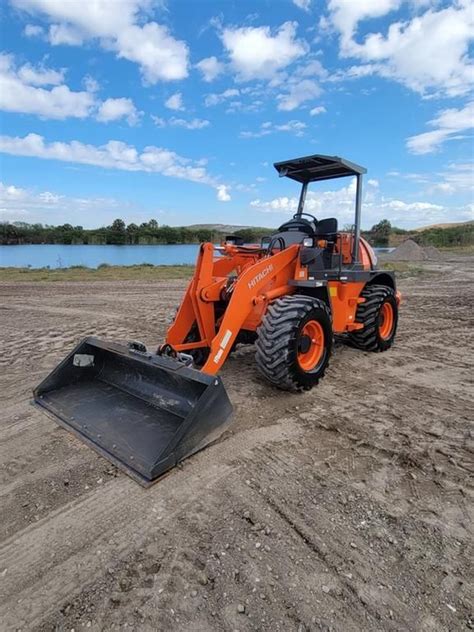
column 290, row 237
column 298, row 224
column 326, row 227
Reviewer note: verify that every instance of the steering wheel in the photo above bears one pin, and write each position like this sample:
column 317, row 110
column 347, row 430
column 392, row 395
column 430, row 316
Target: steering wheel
column 295, row 216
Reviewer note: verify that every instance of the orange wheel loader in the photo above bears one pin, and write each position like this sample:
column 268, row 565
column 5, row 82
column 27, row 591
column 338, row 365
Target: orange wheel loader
column 289, row 295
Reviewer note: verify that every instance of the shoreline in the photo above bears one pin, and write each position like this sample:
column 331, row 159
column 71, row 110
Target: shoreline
column 143, row 272
column 104, row 272
column 150, row 271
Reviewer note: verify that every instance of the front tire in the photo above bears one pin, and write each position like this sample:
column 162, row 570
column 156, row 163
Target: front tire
column 379, row 315
column 294, row 342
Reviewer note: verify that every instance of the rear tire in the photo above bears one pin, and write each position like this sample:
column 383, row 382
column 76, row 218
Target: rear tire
column 379, row 315
column 294, row 342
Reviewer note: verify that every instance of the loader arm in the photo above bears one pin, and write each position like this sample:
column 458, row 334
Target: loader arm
column 257, row 279
column 197, row 307
column 263, row 281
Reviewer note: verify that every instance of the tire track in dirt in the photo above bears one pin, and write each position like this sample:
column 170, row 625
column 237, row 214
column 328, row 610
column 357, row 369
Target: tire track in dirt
column 378, row 455
column 65, row 545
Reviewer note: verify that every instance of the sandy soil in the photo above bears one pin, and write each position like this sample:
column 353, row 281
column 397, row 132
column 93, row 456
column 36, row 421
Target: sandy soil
column 346, row 508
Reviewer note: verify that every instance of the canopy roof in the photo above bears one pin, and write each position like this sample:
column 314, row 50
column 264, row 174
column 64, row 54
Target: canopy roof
column 317, row 167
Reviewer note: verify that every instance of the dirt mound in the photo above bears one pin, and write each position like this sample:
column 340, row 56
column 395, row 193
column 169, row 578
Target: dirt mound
column 432, row 253
column 408, row 250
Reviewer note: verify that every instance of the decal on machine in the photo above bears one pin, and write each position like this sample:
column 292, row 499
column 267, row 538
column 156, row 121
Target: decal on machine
column 260, row 276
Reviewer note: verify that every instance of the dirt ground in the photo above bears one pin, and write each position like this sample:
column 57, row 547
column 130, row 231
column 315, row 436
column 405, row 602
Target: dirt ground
column 345, row 508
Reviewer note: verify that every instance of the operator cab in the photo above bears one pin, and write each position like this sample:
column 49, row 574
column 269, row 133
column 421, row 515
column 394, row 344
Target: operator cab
column 319, row 237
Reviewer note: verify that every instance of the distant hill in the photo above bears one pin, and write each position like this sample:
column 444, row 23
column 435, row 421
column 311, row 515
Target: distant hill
column 445, row 225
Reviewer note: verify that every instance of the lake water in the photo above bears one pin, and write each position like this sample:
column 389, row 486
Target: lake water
column 62, row 256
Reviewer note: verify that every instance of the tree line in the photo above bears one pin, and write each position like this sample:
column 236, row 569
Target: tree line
column 118, row 233
column 151, row 233
column 384, row 234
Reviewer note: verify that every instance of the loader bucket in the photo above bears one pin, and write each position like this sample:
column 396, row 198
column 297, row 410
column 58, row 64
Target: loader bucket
column 143, row 412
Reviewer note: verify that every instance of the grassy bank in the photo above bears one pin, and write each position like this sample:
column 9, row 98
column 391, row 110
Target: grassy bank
column 404, row 269
column 104, row 272
column 459, row 250
column 144, row 272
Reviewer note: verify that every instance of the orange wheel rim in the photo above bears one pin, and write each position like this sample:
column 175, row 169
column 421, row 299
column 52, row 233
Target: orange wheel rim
column 386, row 321
column 311, row 346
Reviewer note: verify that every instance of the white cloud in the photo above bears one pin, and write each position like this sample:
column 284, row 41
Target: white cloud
column 65, row 34
column 256, row 53
column 346, row 14
column 210, row 68
column 215, row 99
column 22, row 89
column 175, row 102
column 40, row 76
column 299, row 92
column 122, row 29
column 341, row 202
column 195, row 123
column 19, row 204
column 375, row 207
column 299, row 86
column 293, row 126
column 428, row 54
column 158, row 121
column 115, row 109
column 400, row 205
column 18, row 92
column 32, row 30
column 303, row 4
column 320, row 109
column 90, row 84
column 455, row 178
column 448, row 125
column 112, row 155
column 223, row 193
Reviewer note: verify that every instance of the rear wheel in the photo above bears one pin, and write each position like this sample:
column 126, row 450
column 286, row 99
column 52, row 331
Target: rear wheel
column 294, row 342
column 379, row 315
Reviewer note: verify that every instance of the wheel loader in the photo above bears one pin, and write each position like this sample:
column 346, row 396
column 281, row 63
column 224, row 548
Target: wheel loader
column 290, row 296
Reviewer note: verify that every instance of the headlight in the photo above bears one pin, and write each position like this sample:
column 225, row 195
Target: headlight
column 308, row 242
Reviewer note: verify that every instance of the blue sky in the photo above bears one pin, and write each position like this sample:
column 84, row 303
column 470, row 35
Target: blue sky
column 177, row 110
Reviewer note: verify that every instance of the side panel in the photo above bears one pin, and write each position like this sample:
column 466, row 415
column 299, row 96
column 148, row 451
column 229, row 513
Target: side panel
column 344, row 299
column 346, row 245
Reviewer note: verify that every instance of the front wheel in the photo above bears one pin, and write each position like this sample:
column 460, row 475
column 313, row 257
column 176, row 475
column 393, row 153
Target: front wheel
column 379, row 316
column 294, row 342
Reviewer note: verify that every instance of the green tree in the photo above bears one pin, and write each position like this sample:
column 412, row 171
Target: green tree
column 116, row 234
column 132, row 233
column 381, row 233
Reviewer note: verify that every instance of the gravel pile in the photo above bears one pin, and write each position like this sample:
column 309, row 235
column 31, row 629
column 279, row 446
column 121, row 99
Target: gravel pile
column 407, row 251
column 432, row 253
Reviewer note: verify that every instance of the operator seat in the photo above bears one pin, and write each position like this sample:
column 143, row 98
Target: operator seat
column 327, row 228
column 326, row 231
